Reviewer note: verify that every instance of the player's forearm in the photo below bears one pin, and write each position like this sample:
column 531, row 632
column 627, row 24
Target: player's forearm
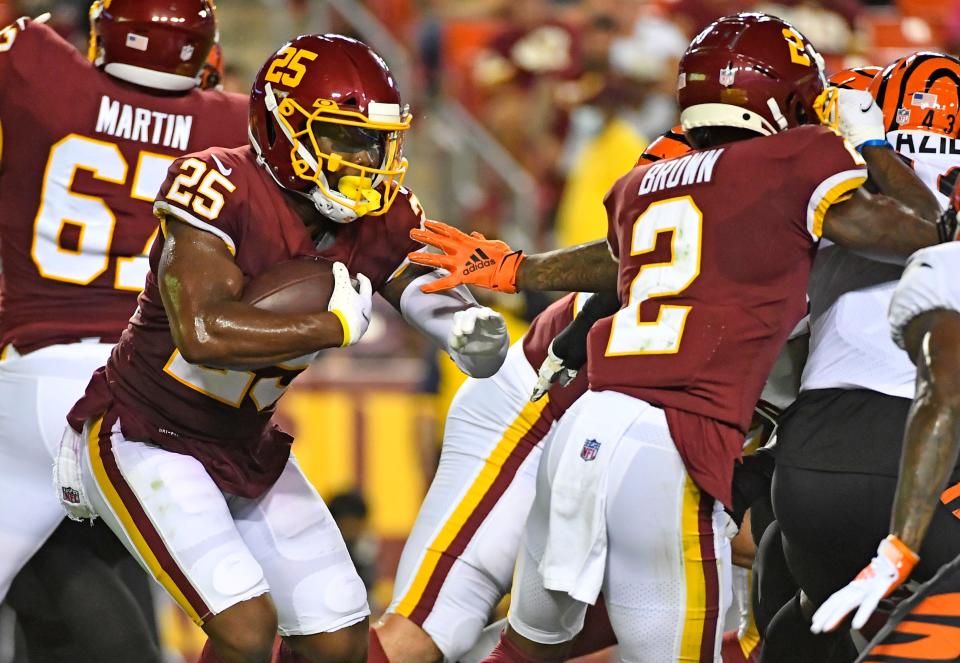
column 588, row 267
column 895, row 179
column 570, row 344
column 884, row 230
column 931, row 445
column 238, row 336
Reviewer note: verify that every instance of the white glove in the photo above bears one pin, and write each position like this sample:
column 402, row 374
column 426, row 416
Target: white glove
column 477, row 330
column 861, row 120
column 551, row 370
column 351, row 306
column 887, row 571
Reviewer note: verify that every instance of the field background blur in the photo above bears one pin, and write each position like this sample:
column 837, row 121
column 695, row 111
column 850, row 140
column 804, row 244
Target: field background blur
column 525, row 112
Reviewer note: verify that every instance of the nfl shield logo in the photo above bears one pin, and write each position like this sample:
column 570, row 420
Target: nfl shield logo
column 186, row 52
column 727, row 75
column 590, row 449
column 903, row 115
column 70, row 495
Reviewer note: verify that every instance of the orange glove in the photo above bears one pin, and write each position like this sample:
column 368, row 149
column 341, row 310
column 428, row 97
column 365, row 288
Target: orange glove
column 471, row 259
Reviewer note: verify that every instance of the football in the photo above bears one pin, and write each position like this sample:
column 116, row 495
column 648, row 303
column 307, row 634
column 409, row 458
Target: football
column 301, row 285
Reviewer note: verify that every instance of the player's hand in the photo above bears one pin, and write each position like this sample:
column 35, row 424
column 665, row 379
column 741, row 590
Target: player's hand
column 552, row 370
column 478, row 330
column 351, row 305
column 861, row 120
column 887, row 571
column 471, row 259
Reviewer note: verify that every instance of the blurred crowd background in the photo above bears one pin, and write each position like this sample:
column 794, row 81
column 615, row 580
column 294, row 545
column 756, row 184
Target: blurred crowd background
column 525, row 112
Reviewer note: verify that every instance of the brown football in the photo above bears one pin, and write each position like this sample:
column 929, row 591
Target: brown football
column 301, row 285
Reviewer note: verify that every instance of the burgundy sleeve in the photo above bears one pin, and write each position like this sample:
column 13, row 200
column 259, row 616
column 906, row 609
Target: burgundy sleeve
column 199, row 193
column 832, row 171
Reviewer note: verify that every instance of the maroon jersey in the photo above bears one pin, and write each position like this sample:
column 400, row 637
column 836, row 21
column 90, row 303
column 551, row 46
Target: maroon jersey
column 222, row 417
column 544, row 328
column 715, row 248
column 83, row 157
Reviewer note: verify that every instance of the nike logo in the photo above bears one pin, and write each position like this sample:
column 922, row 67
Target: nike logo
column 366, row 317
column 226, row 172
column 869, row 106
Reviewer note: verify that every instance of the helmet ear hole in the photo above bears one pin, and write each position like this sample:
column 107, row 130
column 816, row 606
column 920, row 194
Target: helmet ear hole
column 801, row 115
column 271, row 132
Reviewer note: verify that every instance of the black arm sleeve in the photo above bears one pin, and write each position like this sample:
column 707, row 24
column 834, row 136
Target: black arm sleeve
column 570, row 345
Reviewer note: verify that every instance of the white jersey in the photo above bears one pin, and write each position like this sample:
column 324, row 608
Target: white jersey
column 932, row 157
column 850, row 344
column 930, row 281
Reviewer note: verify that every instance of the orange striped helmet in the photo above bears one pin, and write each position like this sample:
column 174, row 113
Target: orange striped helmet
column 669, row 145
column 920, row 92
column 855, row 78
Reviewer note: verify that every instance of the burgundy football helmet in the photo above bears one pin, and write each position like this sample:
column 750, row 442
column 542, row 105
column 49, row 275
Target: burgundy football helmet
column 751, row 71
column 160, row 44
column 328, row 103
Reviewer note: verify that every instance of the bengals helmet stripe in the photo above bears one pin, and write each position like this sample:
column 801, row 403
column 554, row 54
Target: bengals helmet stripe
column 855, row 78
column 920, row 92
column 669, row 145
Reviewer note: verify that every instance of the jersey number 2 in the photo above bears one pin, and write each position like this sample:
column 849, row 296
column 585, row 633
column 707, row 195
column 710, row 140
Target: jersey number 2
column 630, row 336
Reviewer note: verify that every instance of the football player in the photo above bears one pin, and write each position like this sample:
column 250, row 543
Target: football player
column 839, row 444
column 458, row 560
column 173, row 444
column 714, row 251
column 85, row 146
column 925, row 321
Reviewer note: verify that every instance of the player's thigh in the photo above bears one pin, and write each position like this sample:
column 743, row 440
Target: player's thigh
column 172, row 518
column 667, row 586
column 36, row 392
column 458, row 561
column 830, row 522
column 539, row 614
column 292, row 535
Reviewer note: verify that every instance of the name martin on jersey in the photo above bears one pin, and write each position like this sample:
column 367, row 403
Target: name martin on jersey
column 693, row 168
column 141, row 124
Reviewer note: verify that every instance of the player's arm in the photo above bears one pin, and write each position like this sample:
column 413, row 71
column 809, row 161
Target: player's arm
column 895, row 179
column 568, row 350
column 474, row 336
column 879, row 227
column 201, row 285
column 932, row 439
column 475, row 260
